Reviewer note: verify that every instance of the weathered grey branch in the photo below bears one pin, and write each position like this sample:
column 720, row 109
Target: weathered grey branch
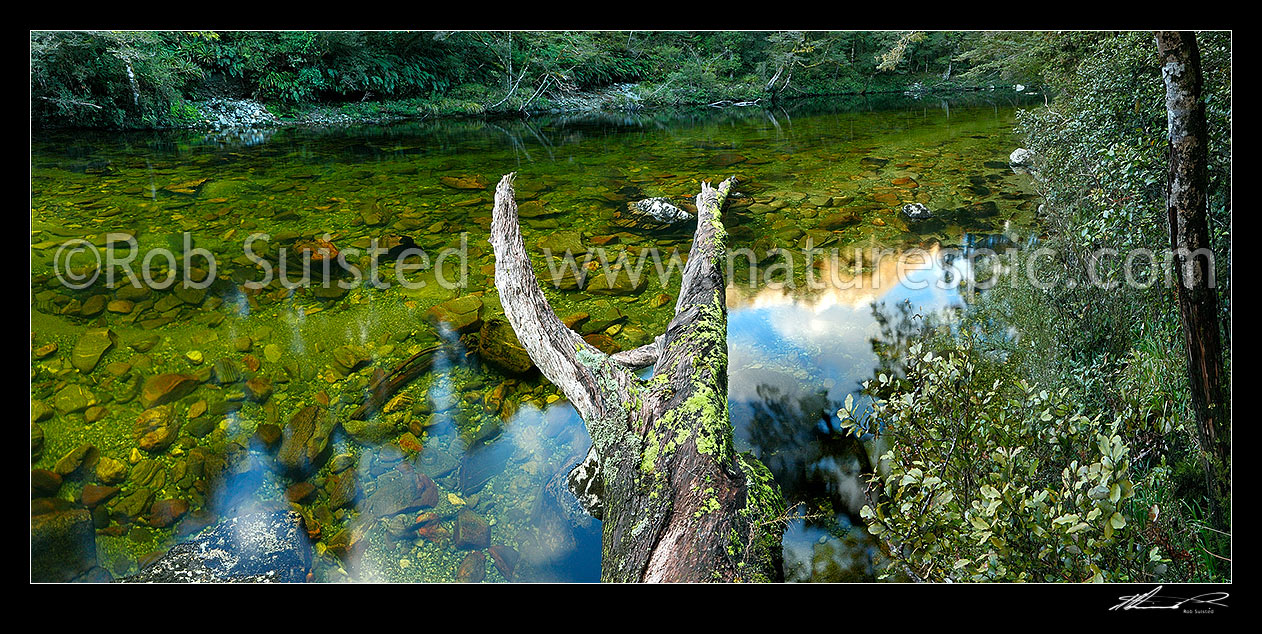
column 677, row 502
column 637, row 358
column 594, row 385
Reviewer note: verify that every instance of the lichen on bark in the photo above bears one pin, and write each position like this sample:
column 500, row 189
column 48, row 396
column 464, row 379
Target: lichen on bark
column 679, row 504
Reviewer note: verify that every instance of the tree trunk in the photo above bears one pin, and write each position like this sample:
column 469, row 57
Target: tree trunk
column 1187, row 208
column 677, row 502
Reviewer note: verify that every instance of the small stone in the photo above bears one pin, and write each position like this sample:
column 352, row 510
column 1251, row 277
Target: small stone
column 44, row 483
column 268, row 434
column 505, row 559
column 77, row 457
column 602, row 342
column 73, row 398
column 272, row 353
column 473, row 568
column 111, row 471
column 472, row 531
column 156, row 428
column 40, row 411
column 258, row 389
column 252, row 362
column 462, row 314
column 93, row 306
column 90, row 347
column 94, row 413
column 197, row 409
column 94, row 494
column 194, row 356
column 165, row 388
column 120, row 306
column 300, row 491
column 167, row 512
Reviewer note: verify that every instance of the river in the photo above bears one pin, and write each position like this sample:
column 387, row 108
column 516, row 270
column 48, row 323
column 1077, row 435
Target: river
column 486, row 441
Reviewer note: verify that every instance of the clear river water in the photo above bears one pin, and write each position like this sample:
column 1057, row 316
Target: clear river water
column 163, row 411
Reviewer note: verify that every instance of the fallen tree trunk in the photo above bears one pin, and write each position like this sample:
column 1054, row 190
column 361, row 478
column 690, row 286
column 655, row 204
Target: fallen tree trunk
column 677, row 502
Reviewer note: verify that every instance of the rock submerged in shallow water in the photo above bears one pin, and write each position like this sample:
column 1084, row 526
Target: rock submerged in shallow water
column 462, row 314
column 258, row 389
column 838, row 220
column 63, row 545
column 373, row 430
column 165, row 388
column 303, row 440
column 90, row 347
column 602, row 342
column 472, row 532
column 651, row 213
column 499, row 346
column 984, row 209
column 73, row 398
column 475, row 181
column 164, row 513
column 156, row 428
column 111, row 471
column 81, row 456
column 558, row 243
column 266, row 547
column 473, row 568
column 349, row 358
column 342, row 488
column 505, row 559
column 37, row 440
column 44, row 483
column 619, row 282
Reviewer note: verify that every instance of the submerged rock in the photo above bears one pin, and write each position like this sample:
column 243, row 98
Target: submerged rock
column 63, row 545
column 475, row 181
column 89, row 349
column 304, row 440
column 155, row 429
column 499, row 346
column 165, row 388
column 74, row 398
column 619, row 282
column 266, row 547
column 462, row 314
column 505, row 559
column 473, row 568
column 651, row 213
column 472, row 532
column 81, row 456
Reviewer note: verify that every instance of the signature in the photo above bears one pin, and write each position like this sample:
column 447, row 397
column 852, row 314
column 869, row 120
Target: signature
column 1151, row 601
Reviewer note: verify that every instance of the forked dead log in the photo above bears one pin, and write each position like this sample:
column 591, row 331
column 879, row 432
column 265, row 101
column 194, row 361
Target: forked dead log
column 677, row 502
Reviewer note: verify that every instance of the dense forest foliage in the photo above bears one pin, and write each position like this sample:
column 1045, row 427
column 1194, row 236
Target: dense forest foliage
column 1051, row 436
column 146, row 79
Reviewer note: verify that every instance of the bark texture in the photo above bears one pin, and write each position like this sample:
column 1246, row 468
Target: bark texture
column 1187, row 208
column 677, row 502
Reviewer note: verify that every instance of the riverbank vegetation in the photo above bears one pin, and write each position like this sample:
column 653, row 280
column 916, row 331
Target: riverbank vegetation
column 151, row 79
column 1051, row 436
